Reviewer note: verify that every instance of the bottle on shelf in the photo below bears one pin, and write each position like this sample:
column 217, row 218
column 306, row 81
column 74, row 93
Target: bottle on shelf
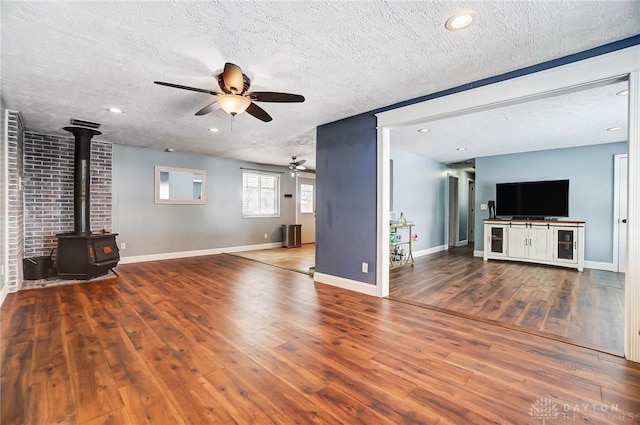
column 402, row 220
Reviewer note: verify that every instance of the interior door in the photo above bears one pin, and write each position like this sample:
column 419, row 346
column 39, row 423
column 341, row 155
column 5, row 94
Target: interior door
column 622, row 212
column 306, row 209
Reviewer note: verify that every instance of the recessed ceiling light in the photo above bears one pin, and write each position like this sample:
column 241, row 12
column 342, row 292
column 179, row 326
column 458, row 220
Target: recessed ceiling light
column 169, row 150
column 115, row 110
column 213, row 130
column 614, row 128
column 462, row 149
column 424, row 130
column 460, row 20
column 623, row 93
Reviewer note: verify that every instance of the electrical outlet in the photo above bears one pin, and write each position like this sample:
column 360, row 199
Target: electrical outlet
column 123, row 245
column 365, row 267
column 483, row 207
column 266, row 236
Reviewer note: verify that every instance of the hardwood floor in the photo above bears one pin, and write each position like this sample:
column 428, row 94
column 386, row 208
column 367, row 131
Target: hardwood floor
column 299, row 259
column 225, row 340
column 584, row 307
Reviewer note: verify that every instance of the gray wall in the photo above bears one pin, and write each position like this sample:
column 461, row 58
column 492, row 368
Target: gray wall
column 419, row 192
column 590, row 171
column 147, row 228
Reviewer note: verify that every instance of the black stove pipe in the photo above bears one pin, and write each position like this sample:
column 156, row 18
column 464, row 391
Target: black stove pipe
column 82, row 179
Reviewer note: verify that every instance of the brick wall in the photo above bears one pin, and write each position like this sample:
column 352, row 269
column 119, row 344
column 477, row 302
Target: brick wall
column 15, row 144
column 48, row 192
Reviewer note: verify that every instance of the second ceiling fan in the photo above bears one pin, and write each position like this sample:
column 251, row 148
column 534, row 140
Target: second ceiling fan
column 235, row 97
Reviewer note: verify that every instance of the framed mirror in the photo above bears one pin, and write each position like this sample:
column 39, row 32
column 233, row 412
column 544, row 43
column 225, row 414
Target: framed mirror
column 180, row 186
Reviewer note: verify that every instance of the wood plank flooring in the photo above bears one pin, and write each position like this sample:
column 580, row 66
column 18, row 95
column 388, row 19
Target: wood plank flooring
column 299, row 259
column 225, row 340
column 584, row 307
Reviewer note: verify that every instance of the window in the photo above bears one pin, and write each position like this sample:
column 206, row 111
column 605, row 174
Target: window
column 306, row 198
column 260, row 194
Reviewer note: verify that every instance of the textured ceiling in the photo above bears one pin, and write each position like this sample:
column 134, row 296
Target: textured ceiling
column 572, row 119
column 74, row 59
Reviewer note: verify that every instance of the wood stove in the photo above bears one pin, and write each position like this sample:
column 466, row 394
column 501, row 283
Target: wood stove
column 82, row 254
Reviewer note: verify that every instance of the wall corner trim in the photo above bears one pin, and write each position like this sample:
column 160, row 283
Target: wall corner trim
column 349, row 284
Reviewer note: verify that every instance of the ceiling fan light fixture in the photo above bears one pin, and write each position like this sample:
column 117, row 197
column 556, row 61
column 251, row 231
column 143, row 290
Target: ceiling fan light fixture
column 233, row 104
column 424, row 130
column 460, row 20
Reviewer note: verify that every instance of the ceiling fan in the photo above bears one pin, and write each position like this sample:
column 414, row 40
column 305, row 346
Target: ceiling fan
column 235, row 97
column 295, row 166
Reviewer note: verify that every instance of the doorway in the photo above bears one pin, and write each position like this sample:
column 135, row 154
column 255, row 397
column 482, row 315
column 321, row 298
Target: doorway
column 306, row 207
column 442, row 109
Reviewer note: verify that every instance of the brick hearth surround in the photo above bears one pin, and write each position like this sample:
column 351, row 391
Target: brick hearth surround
column 47, row 196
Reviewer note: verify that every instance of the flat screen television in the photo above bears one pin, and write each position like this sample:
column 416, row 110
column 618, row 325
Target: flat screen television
column 533, row 199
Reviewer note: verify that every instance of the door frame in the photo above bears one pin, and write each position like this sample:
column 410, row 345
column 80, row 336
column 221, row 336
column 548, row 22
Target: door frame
column 309, row 176
column 453, row 217
column 616, row 206
column 471, row 211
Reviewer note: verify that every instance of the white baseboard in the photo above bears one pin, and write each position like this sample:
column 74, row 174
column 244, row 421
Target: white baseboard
column 428, row 251
column 341, row 282
column 478, row 254
column 4, row 292
column 196, row 253
column 599, row 266
column 462, row 243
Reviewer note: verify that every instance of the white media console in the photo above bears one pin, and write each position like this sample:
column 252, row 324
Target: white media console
column 553, row 242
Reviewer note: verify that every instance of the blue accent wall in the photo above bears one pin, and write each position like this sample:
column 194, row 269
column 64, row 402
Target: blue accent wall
column 590, row 170
column 346, row 163
column 346, row 214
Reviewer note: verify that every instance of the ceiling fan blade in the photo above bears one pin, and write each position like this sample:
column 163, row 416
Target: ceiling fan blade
column 209, row 108
column 270, row 96
column 300, row 167
column 178, row 86
column 258, row 112
column 232, row 78
column 302, row 161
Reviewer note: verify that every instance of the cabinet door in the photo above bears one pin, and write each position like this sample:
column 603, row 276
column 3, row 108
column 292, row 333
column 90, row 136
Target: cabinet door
column 565, row 245
column 496, row 239
column 518, row 241
column 539, row 243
